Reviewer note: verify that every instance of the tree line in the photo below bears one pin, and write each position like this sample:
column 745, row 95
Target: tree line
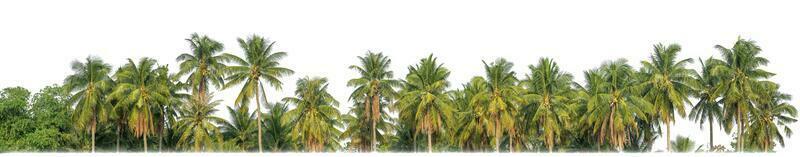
column 143, row 106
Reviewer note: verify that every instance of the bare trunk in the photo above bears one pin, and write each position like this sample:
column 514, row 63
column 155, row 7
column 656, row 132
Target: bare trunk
column 739, row 142
column 375, row 117
column 669, row 145
column 145, row 142
column 710, row 133
column 497, row 134
column 94, row 128
column 118, row 126
column 430, row 144
column 258, row 108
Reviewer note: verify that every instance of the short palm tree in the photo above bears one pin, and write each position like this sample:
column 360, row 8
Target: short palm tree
column 502, row 95
column 260, row 63
column 203, row 65
column 771, row 116
column 241, row 127
column 683, row 144
column 278, row 135
column 708, row 92
column 89, row 84
column 549, row 89
column 472, row 121
column 376, row 83
column 612, row 102
column 314, row 120
column 197, row 126
column 139, row 89
column 739, row 71
column 424, row 99
column 668, row 83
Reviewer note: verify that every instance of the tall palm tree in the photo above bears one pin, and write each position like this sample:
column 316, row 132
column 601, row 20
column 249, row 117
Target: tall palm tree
column 612, row 102
column 772, row 114
column 168, row 111
column 739, row 72
column 197, row 126
column 502, row 96
column 424, row 99
column 203, row 65
column 668, row 83
column 708, row 93
column 260, row 63
column 314, row 119
column 374, row 84
column 139, row 89
column 549, row 88
column 89, row 84
column 241, row 127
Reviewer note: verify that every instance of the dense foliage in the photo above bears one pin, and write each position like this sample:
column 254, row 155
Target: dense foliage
column 142, row 106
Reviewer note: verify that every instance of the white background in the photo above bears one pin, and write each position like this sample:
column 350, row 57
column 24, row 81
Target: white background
column 38, row 39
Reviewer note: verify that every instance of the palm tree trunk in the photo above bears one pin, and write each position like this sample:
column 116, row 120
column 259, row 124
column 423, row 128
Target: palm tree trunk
column 497, row 134
column 739, row 142
column 118, row 126
column 145, row 142
column 669, row 146
column 430, row 144
column 415, row 141
column 510, row 142
column 258, row 108
column 710, row 132
column 94, row 128
column 375, row 117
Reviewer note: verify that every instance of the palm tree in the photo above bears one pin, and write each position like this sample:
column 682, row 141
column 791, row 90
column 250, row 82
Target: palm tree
column 668, row 83
column 168, row 111
column 374, row 84
column 203, row 65
column 471, row 119
column 314, row 120
column 197, row 126
column 739, row 72
column 140, row 90
column 89, row 84
column 241, row 126
column 683, row 144
column 612, row 103
column 772, row 114
column 424, row 100
column 708, row 92
column 277, row 133
column 502, row 96
column 259, row 63
column 549, row 88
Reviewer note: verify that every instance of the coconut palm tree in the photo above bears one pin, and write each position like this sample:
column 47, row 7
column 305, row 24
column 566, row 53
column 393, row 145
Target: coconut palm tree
column 203, row 65
column 314, row 120
column 549, row 89
column 471, row 119
column 139, row 89
column 424, row 100
column 168, row 111
column 770, row 116
column 683, row 144
column 197, row 126
column 89, row 86
column 739, row 72
column 502, row 96
column 708, row 93
column 260, row 63
column 668, row 83
column 613, row 103
column 374, row 84
column 278, row 135
column 241, row 127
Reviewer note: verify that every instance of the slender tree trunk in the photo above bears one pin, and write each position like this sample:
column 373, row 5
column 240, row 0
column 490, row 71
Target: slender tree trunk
column 510, row 142
column 94, row 128
column 497, row 134
column 430, row 144
column 258, row 108
column 669, row 146
column 145, row 142
column 739, row 142
column 710, row 132
column 161, row 132
column 118, row 126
